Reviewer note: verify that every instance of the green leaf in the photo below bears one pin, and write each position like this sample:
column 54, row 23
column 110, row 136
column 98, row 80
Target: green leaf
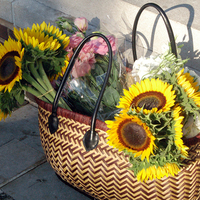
column 111, row 97
column 19, row 96
column 97, row 70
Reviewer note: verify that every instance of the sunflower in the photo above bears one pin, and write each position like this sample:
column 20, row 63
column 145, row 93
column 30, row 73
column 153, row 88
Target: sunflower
column 43, row 38
column 149, row 94
column 154, row 172
column 60, row 74
column 178, row 130
column 3, row 115
column 52, row 30
column 131, row 134
column 11, row 54
column 37, row 40
column 186, row 81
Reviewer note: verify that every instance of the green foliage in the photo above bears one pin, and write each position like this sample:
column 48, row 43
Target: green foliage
column 53, row 61
column 90, row 87
column 174, row 65
column 8, row 102
column 163, row 129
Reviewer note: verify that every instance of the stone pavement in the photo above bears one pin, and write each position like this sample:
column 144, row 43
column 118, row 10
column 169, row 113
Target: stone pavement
column 24, row 172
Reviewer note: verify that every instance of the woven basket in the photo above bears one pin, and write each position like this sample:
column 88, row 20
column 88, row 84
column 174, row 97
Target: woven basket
column 103, row 172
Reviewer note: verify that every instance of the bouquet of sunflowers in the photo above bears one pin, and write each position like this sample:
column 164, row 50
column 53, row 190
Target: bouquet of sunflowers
column 36, row 61
column 28, row 63
column 157, row 112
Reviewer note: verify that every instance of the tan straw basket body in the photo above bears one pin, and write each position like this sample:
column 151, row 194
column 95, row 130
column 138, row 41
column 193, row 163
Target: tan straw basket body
column 102, row 172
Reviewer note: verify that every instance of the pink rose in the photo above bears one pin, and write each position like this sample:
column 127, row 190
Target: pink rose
column 100, row 46
column 113, row 42
column 69, row 52
column 75, row 39
column 88, row 47
column 80, row 68
column 83, row 64
column 89, row 57
column 81, row 23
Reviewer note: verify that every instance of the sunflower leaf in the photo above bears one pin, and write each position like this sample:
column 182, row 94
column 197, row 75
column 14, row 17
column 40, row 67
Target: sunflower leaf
column 19, row 96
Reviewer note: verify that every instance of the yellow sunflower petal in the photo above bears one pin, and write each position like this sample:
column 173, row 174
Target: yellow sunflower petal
column 149, row 94
column 131, row 134
column 10, row 64
column 186, row 81
column 3, row 115
column 41, row 36
column 154, row 172
column 178, row 131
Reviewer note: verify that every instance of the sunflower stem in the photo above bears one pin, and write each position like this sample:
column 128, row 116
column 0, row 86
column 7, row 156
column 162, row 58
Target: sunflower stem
column 37, row 76
column 51, row 90
column 37, row 86
column 35, row 93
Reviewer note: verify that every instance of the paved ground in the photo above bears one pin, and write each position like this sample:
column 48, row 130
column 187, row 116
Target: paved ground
column 25, row 174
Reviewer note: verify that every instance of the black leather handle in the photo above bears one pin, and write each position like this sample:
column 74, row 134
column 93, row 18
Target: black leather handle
column 53, row 120
column 167, row 24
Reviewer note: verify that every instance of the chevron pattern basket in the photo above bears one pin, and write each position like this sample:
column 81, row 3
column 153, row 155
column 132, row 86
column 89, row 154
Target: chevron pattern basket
column 102, row 172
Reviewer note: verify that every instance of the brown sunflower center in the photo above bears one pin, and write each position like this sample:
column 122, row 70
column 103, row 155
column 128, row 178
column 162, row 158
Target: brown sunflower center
column 149, row 100
column 8, row 68
column 133, row 136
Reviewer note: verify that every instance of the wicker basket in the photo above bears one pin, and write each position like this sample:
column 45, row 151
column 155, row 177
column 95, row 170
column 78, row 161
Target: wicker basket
column 103, row 172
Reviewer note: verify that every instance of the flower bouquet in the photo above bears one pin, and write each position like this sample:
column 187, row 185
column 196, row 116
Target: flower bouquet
column 87, row 77
column 36, row 61
column 156, row 113
column 29, row 63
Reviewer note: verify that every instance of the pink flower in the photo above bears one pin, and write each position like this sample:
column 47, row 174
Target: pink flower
column 83, row 64
column 76, row 39
column 81, row 23
column 100, row 46
column 112, row 41
column 89, row 57
column 88, row 47
column 69, row 52
column 80, row 68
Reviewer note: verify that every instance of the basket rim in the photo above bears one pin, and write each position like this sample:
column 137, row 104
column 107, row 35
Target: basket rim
column 99, row 124
column 72, row 115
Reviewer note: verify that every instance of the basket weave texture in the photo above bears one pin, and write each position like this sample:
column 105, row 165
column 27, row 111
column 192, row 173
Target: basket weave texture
column 102, row 172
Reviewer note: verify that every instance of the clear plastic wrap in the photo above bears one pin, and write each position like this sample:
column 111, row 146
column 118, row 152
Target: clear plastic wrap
column 88, row 73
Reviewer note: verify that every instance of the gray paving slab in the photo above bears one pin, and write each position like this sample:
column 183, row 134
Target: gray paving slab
column 25, row 174
column 27, row 12
column 6, row 10
column 23, row 126
column 42, row 184
column 16, row 157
